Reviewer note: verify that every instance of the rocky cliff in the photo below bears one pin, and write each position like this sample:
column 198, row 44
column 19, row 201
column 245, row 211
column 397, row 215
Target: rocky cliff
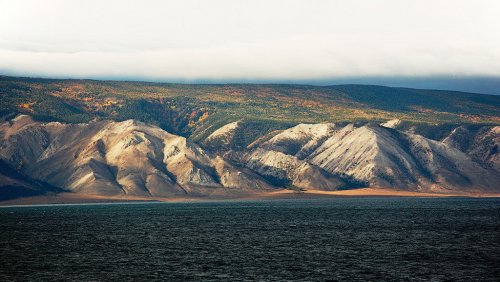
column 134, row 158
column 110, row 158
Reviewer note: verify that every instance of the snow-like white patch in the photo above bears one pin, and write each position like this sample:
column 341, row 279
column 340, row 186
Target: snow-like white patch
column 393, row 123
column 304, row 131
column 225, row 131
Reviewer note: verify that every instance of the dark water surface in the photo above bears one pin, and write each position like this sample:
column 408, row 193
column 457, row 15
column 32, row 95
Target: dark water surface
column 315, row 240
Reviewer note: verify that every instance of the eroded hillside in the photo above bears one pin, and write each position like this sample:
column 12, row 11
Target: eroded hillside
column 135, row 158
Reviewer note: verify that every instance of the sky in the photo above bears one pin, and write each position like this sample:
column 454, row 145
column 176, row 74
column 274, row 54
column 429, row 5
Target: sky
column 442, row 44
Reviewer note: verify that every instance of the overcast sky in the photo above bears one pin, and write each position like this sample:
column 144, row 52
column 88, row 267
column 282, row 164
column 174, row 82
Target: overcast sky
column 218, row 40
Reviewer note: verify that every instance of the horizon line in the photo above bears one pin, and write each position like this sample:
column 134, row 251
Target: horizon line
column 296, row 82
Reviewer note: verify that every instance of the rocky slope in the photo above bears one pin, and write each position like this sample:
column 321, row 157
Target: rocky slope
column 223, row 135
column 111, row 158
column 482, row 144
column 388, row 158
column 299, row 140
column 133, row 158
column 329, row 157
column 14, row 184
column 284, row 170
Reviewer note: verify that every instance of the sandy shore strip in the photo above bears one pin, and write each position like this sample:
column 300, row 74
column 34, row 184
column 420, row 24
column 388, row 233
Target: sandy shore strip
column 370, row 192
column 72, row 198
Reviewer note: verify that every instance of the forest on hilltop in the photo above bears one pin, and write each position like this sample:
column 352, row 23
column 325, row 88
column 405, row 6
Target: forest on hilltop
column 197, row 109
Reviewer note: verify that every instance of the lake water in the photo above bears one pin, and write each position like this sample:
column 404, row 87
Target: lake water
column 345, row 239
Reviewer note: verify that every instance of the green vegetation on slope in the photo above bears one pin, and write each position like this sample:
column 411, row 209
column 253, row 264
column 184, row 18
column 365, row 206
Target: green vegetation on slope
column 191, row 108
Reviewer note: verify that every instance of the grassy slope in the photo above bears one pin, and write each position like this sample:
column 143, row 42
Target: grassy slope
column 184, row 108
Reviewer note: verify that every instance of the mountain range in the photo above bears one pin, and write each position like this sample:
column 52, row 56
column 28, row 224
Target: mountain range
column 173, row 140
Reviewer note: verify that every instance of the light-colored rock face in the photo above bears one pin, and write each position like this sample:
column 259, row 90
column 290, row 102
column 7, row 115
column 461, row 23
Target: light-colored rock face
column 286, row 169
column 96, row 158
column 388, row 158
column 299, row 140
column 13, row 126
column 304, row 131
column 225, row 133
column 349, row 151
column 110, row 158
column 393, row 123
column 457, row 137
column 188, row 163
column 134, row 158
column 14, row 184
column 232, row 177
column 486, row 147
column 483, row 145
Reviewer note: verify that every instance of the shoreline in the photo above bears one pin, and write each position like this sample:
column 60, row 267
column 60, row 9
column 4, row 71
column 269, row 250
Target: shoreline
column 72, row 198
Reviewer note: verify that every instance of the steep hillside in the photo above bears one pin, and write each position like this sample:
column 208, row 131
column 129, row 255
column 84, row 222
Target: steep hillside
column 388, row 158
column 134, row 158
column 170, row 140
column 198, row 110
column 482, row 144
column 14, row 184
column 330, row 157
column 111, row 158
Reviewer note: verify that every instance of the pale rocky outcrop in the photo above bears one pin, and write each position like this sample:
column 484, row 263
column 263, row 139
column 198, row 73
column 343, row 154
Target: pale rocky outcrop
column 287, row 169
column 133, row 158
column 482, row 145
column 388, row 158
column 393, row 123
column 239, row 178
column 224, row 134
column 110, row 158
column 299, row 140
column 14, row 184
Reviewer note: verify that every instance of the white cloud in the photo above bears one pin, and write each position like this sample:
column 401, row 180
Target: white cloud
column 249, row 39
